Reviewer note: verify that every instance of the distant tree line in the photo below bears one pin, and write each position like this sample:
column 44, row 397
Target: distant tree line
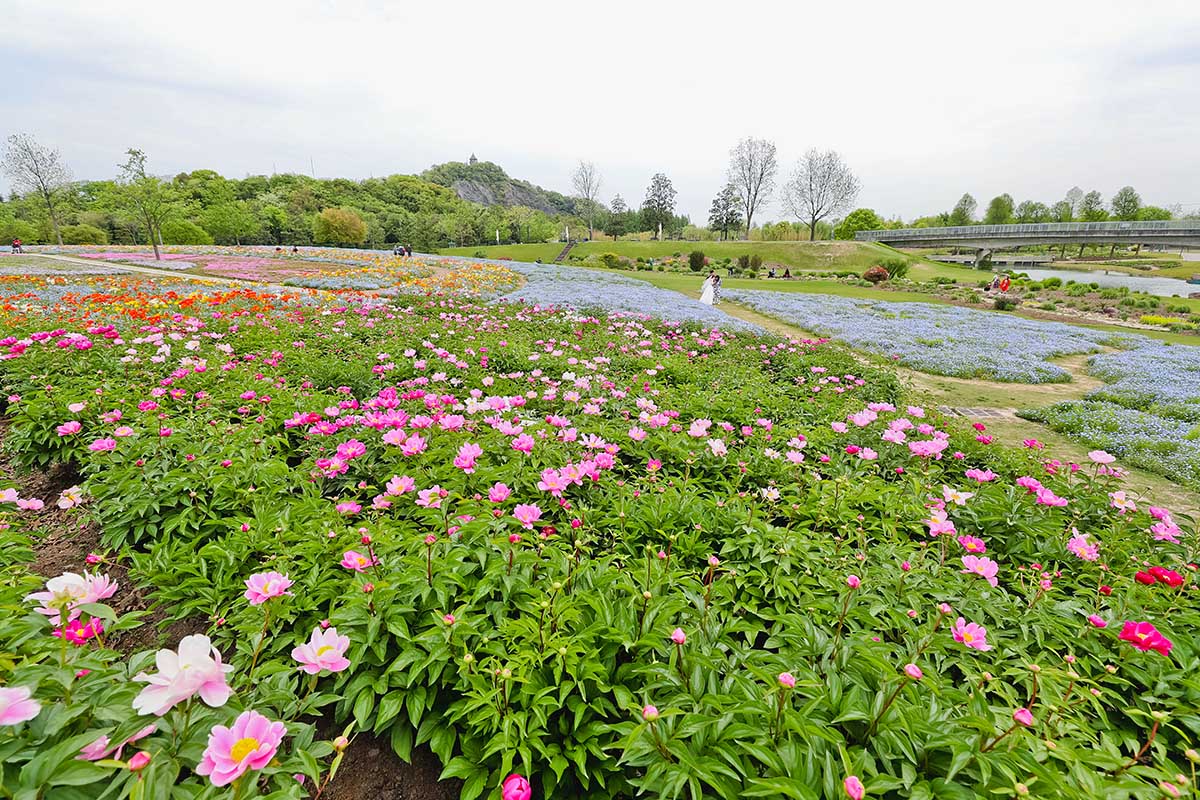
column 1075, row 206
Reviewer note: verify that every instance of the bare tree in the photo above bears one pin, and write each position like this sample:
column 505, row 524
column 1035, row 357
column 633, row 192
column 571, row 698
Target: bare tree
column 151, row 199
column 821, row 184
column 34, row 168
column 1074, row 197
column 752, row 168
column 586, row 181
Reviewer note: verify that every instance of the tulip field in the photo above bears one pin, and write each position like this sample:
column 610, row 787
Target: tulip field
column 247, row 532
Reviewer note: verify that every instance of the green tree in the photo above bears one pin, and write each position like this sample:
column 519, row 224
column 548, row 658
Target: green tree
column 860, row 219
column 1091, row 207
column 182, row 231
column 1062, row 211
column 725, row 215
column 229, row 222
column 618, row 222
column 1148, row 213
column 1126, row 203
column 964, row 211
column 1032, row 211
column 151, row 200
column 339, row 226
column 659, row 206
column 999, row 210
column 274, row 220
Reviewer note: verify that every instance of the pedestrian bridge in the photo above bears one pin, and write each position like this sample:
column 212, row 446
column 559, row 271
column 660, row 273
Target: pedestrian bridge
column 1173, row 233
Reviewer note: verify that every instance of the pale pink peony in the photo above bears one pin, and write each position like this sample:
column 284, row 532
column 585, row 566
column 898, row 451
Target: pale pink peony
column 352, row 559
column 264, row 586
column 1101, row 457
column 325, row 650
column 195, row 669
column 17, row 705
column 250, row 743
column 982, row 566
column 787, row 680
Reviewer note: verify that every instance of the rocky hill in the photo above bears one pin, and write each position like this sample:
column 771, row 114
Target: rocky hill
column 488, row 184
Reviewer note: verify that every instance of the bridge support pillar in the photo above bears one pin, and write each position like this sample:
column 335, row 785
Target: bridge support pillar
column 981, row 254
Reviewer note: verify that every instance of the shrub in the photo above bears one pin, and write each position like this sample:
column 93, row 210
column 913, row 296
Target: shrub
column 756, row 261
column 896, row 267
column 612, row 260
column 743, row 262
column 1052, row 283
column 1005, row 303
column 181, row 231
column 17, row 229
column 1169, row 322
column 84, row 234
column 696, row 260
column 876, row 274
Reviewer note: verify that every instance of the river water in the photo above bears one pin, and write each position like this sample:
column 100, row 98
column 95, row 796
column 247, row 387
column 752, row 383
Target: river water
column 1163, row 287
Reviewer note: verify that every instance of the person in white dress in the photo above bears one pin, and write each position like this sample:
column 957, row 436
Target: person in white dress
column 708, row 293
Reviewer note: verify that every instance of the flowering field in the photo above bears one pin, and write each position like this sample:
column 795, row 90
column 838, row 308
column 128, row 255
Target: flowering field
column 326, row 268
column 1148, row 411
column 574, row 556
column 941, row 339
column 575, row 287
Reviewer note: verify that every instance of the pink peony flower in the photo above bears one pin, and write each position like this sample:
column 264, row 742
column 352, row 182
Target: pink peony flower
column 972, row 544
column 650, row 713
column 17, row 705
column 264, row 586
column 1101, row 457
column 352, row 559
column 1023, row 716
column 103, row 445
column 854, row 788
column 853, row 581
column 499, row 493
column 913, row 671
column 971, row 634
column 250, row 743
column 400, row 484
column 195, row 669
column 1082, row 547
column 102, row 747
column 527, row 514
column 515, row 787
column 678, row 636
column 325, row 650
column 1097, row 621
column 30, row 504
column 981, row 566
column 69, row 428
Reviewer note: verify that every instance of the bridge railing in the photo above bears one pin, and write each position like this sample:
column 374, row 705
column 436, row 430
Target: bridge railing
column 1162, row 227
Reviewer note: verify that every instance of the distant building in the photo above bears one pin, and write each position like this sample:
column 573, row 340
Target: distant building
column 472, row 160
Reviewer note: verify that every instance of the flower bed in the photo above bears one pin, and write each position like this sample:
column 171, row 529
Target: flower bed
column 576, row 556
column 941, row 339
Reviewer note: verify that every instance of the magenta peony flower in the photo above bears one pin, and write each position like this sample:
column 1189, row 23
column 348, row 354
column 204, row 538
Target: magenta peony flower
column 913, row 671
column 250, row 743
column 263, row 586
column 17, row 705
column 325, row 650
column 1145, row 636
column 678, row 636
column 854, row 788
column 1097, row 621
column 515, row 787
column 853, row 581
column 982, row 566
column 1023, row 716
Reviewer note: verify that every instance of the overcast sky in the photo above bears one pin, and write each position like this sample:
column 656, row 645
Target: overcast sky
column 924, row 100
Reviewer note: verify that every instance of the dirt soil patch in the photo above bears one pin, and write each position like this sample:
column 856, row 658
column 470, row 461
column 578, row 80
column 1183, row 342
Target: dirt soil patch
column 371, row 770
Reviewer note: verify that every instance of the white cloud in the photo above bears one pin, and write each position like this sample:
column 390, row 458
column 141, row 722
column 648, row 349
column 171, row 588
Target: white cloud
column 925, row 100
